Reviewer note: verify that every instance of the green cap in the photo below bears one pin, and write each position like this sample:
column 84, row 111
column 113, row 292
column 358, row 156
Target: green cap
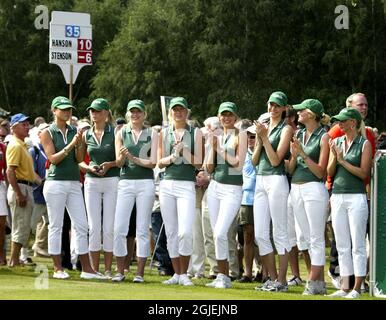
column 227, row 106
column 178, row 101
column 61, row 103
column 139, row 104
column 99, row 104
column 311, row 104
column 348, row 114
column 279, row 98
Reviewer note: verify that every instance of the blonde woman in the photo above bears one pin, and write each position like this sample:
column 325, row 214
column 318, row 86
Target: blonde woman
column 349, row 165
column 271, row 192
column 62, row 189
column 101, row 183
column 136, row 154
column 309, row 196
column 225, row 163
column 180, row 152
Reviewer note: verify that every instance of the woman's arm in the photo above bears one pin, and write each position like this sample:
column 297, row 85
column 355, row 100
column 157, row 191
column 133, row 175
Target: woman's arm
column 163, row 160
column 363, row 171
column 331, row 167
column 276, row 157
column 319, row 169
column 49, row 148
column 149, row 163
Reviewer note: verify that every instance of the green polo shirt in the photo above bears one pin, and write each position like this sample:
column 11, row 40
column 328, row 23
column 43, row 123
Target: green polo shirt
column 312, row 150
column 101, row 152
column 68, row 168
column 264, row 167
column 224, row 172
column 139, row 149
column 180, row 169
column 344, row 181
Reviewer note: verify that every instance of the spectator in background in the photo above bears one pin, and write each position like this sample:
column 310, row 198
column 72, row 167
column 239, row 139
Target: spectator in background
column 3, row 201
column 39, row 222
column 21, row 176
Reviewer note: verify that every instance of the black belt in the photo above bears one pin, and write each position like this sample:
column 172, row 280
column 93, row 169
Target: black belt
column 24, row 182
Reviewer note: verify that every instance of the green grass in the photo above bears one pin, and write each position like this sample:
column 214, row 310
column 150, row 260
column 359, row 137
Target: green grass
column 19, row 283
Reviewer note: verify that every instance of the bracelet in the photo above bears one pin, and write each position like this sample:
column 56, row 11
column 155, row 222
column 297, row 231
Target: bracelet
column 65, row 150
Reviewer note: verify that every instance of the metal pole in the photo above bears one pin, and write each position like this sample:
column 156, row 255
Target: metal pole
column 155, row 246
column 71, row 81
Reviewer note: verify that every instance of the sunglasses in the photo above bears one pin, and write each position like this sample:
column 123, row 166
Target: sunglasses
column 251, row 137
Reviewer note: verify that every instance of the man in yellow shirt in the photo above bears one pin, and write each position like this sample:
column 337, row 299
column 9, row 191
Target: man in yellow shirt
column 21, row 176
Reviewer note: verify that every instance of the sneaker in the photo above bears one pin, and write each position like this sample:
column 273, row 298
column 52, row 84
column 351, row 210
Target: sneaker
column 119, row 277
column 315, row 288
column 92, row 276
column 223, row 282
column 338, row 294
column 185, row 281
column 108, row 274
column 353, row 295
column 27, row 262
column 198, row 276
column 60, row 274
column 335, row 280
column 276, row 287
column 138, row 279
column 245, row 279
column 267, row 283
column 173, row 280
column 295, row 281
column 212, row 284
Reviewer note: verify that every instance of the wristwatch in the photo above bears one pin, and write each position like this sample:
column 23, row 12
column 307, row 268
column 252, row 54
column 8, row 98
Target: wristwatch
column 65, row 150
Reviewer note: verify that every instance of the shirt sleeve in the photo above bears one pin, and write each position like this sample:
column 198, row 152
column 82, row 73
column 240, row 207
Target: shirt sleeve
column 14, row 155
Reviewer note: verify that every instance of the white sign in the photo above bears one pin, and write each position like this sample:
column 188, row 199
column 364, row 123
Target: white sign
column 70, row 42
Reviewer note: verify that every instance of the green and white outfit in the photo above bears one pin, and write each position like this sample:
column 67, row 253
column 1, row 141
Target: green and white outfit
column 270, row 201
column 224, row 197
column 178, row 195
column 136, row 186
column 309, row 198
column 101, row 192
column 62, row 189
column 349, row 211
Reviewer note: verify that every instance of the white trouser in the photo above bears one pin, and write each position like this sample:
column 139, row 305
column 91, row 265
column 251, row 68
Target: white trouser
column 178, row 209
column 270, row 202
column 197, row 259
column 295, row 235
column 349, row 213
column 224, row 201
column 39, row 211
column 60, row 195
column 142, row 193
column 310, row 204
column 98, row 191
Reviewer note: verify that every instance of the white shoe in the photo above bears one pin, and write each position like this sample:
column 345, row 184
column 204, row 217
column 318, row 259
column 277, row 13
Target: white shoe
column 353, row 295
column 92, row 276
column 138, row 279
column 185, row 281
column 224, row 282
column 61, row 274
column 119, row 277
column 108, row 274
column 335, row 280
column 338, row 294
column 173, row 280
